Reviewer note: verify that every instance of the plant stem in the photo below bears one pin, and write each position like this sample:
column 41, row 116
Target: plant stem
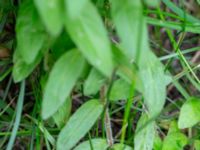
column 104, row 94
column 106, row 118
column 108, row 128
column 127, row 112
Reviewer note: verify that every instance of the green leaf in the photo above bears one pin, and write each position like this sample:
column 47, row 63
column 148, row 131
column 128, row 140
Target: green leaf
column 173, row 25
column 174, row 140
column 74, row 8
column 120, row 90
column 93, row 82
column 51, row 14
column 154, row 83
column 89, row 34
column 173, row 127
column 62, row 79
column 63, row 113
column 121, row 147
column 154, row 80
column 197, row 144
column 189, row 113
column 30, row 32
column 157, row 145
column 97, row 144
column 45, row 132
column 152, row 3
column 125, row 69
column 180, row 12
column 145, row 133
column 132, row 29
column 21, row 69
column 79, row 124
column 128, row 24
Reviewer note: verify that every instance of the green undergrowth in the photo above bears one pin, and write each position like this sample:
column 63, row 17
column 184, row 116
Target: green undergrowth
column 99, row 74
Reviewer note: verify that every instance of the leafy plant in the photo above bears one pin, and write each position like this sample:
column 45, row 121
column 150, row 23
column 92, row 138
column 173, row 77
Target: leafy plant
column 189, row 114
column 98, row 74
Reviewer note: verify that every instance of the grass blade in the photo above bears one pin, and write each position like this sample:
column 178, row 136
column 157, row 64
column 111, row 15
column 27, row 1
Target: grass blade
column 18, row 116
column 180, row 12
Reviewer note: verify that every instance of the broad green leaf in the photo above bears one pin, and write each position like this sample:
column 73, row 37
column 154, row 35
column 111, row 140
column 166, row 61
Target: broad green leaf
column 190, row 113
column 174, row 140
column 128, row 21
column 197, row 144
column 121, row 147
column 75, row 7
column 89, row 34
column 79, row 124
column 145, row 133
column 152, row 3
column 97, row 144
column 63, row 113
column 51, row 14
column 154, row 80
column 154, row 83
column 21, row 69
column 62, row 79
column 93, row 82
column 30, row 32
column 132, row 29
column 157, row 145
column 120, row 90
column 173, row 127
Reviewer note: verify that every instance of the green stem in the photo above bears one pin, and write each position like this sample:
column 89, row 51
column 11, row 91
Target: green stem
column 127, row 112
